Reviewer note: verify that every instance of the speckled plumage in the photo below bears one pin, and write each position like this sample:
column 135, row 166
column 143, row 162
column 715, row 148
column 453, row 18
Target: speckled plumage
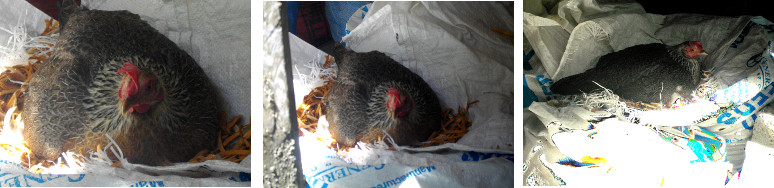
column 72, row 99
column 356, row 103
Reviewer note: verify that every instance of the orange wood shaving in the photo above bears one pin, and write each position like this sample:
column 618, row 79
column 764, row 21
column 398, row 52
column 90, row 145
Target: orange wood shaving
column 233, row 142
column 328, row 61
column 116, row 164
column 455, row 126
column 312, row 108
column 506, row 33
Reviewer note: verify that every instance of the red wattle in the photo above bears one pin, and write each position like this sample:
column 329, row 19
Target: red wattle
column 139, row 108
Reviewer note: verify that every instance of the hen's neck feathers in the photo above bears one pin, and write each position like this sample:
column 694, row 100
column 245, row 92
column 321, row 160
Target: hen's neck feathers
column 378, row 111
column 107, row 110
column 677, row 52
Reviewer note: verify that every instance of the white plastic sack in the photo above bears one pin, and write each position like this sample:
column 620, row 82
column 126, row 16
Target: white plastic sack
column 550, row 38
column 612, row 152
column 759, row 152
column 462, row 59
column 738, row 62
column 216, row 34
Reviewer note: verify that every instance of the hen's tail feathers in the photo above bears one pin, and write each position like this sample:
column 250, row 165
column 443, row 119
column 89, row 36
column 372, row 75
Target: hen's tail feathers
column 65, row 8
column 575, row 85
column 566, row 86
column 339, row 52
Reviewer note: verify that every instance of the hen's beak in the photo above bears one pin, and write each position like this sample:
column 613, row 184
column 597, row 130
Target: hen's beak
column 703, row 53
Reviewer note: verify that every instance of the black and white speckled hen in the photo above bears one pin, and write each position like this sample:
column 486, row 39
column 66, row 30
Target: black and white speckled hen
column 374, row 95
column 652, row 73
column 112, row 73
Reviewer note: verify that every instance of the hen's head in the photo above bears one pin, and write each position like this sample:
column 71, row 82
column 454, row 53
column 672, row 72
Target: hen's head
column 693, row 49
column 399, row 104
column 139, row 90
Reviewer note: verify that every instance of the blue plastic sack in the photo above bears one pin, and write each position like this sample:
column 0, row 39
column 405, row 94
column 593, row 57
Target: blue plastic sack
column 338, row 14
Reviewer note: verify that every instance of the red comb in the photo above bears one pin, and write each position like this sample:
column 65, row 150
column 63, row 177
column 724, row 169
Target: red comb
column 395, row 102
column 133, row 73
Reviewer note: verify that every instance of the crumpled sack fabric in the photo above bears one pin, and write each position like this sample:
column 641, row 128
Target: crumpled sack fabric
column 738, row 85
column 759, row 152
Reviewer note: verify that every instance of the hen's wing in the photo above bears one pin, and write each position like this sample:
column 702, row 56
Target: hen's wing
column 633, row 54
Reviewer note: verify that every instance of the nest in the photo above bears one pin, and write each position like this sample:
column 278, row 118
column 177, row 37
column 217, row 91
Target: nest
column 233, row 137
column 455, row 125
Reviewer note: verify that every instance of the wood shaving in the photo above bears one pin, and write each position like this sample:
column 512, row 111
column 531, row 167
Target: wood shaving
column 455, row 126
column 233, row 142
column 313, row 107
column 506, row 33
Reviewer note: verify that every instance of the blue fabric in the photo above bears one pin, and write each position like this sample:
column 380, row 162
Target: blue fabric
column 527, row 57
column 293, row 7
column 529, row 96
column 338, row 14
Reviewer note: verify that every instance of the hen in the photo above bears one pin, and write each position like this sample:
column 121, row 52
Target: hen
column 374, row 95
column 651, row 73
column 112, row 73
